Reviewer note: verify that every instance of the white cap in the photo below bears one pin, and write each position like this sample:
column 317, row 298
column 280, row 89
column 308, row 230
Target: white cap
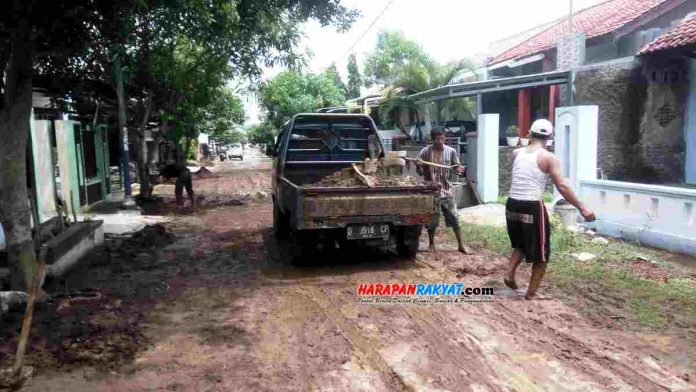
column 542, row 127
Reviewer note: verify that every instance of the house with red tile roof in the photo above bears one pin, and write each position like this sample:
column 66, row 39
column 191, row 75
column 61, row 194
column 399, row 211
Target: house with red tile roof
column 681, row 37
column 633, row 59
column 629, row 57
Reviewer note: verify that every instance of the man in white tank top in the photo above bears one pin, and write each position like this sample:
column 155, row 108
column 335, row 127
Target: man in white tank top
column 527, row 220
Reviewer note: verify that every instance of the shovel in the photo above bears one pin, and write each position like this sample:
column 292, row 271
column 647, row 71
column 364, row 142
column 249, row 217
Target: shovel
column 16, row 377
column 451, row 168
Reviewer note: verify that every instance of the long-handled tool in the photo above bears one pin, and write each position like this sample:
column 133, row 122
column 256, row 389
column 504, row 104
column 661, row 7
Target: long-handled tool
column 14, row 378
column 451, row 168
column 366, row 180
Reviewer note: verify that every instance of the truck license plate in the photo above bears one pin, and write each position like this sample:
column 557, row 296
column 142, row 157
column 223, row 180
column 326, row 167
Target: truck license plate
column 356, row 232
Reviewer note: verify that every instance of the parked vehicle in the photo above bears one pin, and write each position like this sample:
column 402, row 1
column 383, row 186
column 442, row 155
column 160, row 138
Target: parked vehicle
column 236, row 151
column 314, row 145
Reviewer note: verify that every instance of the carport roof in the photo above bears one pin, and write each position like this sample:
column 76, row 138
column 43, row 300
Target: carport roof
column 487, row 86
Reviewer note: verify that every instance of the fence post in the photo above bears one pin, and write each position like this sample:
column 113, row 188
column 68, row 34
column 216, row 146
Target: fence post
column 487, row 157
column 576, row 143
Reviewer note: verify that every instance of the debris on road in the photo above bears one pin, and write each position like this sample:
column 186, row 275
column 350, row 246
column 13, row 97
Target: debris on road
column 148, row 237
column 575, row 229
column 203, row 172
column 12, row 300
column 600, row 241
column 583, row 256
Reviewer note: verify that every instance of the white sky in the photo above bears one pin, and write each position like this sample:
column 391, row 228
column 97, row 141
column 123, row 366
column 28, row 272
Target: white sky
column 447, row 29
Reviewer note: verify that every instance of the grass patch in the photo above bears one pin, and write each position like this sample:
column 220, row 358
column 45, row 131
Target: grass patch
column 651, row 302
column 548, row 197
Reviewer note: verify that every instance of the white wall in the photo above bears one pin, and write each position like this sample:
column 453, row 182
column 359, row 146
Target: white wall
column 654, row 215
column 202, row 138
column 690, row 127
column 43, row 169
column 575, row 138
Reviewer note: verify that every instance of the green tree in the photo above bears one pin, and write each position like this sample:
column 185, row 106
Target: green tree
column 393, row 54
column 405, row 69
column 332, row 72
column 292, row 92
column 354, row 78
column 232, row 136
column 134, row 41
column 223, row 114
column 262, row 133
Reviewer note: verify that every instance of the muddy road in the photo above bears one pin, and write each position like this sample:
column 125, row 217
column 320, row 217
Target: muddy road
column 220, row 309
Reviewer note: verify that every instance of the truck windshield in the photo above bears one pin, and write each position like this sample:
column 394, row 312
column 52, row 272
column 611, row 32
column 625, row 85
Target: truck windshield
column 342, row 140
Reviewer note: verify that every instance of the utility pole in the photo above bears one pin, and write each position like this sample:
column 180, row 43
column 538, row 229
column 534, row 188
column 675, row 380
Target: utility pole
column 570, row 17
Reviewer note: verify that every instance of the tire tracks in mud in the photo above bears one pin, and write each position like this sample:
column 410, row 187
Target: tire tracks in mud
column 566, row 347
column 362, row 346
column 466, row 357
column 565, row 343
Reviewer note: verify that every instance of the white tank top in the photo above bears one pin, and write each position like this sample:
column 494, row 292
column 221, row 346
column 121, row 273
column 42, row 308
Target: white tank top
column 528, row 181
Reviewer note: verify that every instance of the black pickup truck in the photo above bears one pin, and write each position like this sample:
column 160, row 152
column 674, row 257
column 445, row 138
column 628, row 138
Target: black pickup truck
column 314, row 145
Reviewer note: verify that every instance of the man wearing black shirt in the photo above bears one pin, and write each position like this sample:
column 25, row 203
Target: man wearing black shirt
column 183, row 180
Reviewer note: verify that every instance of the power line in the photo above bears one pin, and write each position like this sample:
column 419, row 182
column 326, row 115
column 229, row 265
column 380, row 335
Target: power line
column 364, row 33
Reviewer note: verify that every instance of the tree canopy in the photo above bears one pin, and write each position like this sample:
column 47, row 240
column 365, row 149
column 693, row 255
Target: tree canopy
column 392, row 56
column 168, row 62
column 404, row 68
column 262, row 133
column 354, row 78
column 332, row 72
column 293, row 92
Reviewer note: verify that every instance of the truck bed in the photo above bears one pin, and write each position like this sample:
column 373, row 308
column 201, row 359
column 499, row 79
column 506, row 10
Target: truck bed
column 335, row 207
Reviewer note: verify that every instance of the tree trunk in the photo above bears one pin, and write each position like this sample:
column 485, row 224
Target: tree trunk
column 187, row 147
column 123, row 129
column 143, row 157
column 15, row 114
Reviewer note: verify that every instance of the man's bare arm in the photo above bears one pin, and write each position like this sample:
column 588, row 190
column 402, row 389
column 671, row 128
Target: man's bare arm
column 554, row 167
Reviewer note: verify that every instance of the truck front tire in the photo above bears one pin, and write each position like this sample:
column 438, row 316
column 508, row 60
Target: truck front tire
column 408, row 240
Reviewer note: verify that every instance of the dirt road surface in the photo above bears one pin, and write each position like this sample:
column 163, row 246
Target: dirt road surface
column 219, row 309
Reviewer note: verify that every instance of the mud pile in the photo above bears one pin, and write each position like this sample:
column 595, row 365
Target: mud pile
column 150, row 236
column 340, row 179
column 88, row 327
column 204, row 172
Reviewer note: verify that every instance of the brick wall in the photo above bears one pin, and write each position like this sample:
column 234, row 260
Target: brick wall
column 570, row 54
column 505, row 170
column 640, row 135
column 661, row 140
column 619, row 91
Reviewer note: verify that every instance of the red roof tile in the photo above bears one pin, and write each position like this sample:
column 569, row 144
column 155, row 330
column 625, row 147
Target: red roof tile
column 680, row 35
column 594, row 22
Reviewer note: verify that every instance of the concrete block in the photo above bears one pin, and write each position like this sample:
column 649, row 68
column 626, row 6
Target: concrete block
column 68, row 248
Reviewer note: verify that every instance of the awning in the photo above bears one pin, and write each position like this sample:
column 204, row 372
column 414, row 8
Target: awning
column 486, row 86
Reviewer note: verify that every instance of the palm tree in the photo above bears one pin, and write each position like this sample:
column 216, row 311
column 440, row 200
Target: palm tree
column 415, row 78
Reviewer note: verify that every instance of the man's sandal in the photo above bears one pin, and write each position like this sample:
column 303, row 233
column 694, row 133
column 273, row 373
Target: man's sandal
column 510, row 283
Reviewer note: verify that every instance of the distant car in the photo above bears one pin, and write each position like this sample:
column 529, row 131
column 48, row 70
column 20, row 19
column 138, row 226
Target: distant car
column 236, row 151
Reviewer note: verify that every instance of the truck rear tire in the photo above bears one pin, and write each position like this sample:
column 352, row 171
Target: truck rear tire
column 281, row 223
column 408, row 240
column 302, row 249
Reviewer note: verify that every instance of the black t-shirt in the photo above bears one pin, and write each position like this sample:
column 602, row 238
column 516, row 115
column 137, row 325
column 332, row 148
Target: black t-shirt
column 171, row 171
